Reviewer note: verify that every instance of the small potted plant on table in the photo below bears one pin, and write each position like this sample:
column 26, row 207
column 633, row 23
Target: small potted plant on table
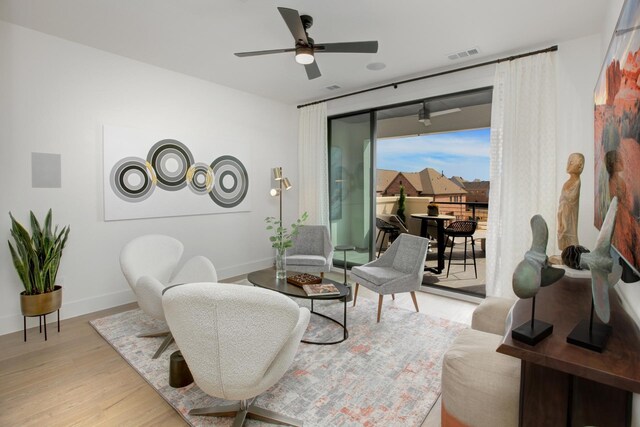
column 36, row 257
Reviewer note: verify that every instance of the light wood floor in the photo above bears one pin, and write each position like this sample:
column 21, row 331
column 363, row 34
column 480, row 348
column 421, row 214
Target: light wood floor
column 76, row 378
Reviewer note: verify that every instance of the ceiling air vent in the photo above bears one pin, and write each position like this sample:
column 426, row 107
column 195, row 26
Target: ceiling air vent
column 464, row 54
column 333, row 87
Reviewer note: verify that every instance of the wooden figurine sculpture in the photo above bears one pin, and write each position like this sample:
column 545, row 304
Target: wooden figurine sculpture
column 604, row 274
column 531, row 273
column 569, row 203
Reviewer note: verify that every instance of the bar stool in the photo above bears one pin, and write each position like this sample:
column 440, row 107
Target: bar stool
column 462, row 229
column 385, row 228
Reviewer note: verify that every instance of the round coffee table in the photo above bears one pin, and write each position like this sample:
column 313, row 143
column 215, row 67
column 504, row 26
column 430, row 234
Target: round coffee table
column 267, row 279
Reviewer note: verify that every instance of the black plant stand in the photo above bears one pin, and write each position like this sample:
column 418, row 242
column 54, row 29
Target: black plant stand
column 40, row 321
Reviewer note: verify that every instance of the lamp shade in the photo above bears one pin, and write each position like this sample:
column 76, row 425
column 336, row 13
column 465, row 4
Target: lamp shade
column 277, row 173
column 286, row 183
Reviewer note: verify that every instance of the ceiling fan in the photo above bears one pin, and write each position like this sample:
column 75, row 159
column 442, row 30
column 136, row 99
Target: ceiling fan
column 305, row 47
column 425, row 114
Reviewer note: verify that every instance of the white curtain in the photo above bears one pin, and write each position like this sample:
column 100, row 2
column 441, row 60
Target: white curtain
column 523, row 164
column 313, row 164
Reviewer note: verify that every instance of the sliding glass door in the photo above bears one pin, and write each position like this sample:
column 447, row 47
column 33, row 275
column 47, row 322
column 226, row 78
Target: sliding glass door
column 351, row 160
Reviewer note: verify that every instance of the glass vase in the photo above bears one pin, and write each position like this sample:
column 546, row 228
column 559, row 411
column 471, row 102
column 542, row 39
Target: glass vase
column 281, row 263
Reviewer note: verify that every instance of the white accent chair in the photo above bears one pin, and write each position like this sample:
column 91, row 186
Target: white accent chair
column 312, row 251
column 238, row 341
column 480, row 387
column 149, row 264
column 399, row 269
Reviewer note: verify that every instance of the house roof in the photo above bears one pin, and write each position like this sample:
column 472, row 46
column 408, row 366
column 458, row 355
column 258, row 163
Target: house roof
column 384, row 178
column 428, row 181
column 435, row 183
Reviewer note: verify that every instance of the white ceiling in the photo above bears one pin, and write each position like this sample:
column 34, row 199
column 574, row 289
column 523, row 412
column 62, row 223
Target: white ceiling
column 199, row 37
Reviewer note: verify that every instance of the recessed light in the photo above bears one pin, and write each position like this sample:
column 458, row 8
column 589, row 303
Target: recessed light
column 376, row 66
column 333, row 87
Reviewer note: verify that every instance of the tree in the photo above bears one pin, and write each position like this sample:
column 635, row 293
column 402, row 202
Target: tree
column 401, row 202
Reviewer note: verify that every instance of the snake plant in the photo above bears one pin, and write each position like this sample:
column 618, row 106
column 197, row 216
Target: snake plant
column 36, row 257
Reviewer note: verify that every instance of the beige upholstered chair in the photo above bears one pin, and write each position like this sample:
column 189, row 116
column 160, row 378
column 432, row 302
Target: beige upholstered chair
column 480, row 387
column 399, row 269
column 312, row 251
column 238, row 341
column 149, row 263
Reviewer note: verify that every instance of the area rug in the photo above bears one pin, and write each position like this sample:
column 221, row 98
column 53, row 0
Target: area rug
column 384, row 374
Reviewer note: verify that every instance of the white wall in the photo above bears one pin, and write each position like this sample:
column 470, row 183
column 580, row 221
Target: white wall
column 54, row 98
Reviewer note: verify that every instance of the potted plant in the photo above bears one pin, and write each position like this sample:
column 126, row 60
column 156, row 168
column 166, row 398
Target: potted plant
column 36, row 257
column 281, row 240
column 432, row 209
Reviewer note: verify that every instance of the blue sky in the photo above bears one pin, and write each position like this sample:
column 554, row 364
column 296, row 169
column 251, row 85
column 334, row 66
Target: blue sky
column 464, row 153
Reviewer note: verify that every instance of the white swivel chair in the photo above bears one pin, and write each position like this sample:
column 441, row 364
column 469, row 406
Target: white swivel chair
column 238, row 341
column 149, row 264
column 399, row 269
column 312, row 251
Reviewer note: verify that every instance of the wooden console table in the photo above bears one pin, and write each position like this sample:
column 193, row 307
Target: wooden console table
column 565, row 385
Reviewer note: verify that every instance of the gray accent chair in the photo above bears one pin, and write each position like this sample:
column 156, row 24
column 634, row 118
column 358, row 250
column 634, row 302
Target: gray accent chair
column 312, row 251
column 399, row 269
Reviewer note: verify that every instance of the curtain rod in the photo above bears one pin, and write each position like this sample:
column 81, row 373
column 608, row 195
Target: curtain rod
column 442, row 73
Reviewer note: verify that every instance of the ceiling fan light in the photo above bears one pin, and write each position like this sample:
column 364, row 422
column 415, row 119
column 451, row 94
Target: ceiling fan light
column 304, row 55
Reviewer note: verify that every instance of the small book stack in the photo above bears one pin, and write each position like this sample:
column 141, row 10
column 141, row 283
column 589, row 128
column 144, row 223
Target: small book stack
column 322, row 289
column 303, row 279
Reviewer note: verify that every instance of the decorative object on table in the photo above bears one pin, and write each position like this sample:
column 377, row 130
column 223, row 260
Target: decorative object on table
column 321, row 289
column 617, row 145
column 303, row 279
column 147, row 175
column 311, row 250
column 149, row 264
column 401, row 205
column 604, row 274
column 569, row 203
column 257, row 334
column 36, row 258
column 530, row 274
column 432, row 209
column 399, row 269
column 571, row 256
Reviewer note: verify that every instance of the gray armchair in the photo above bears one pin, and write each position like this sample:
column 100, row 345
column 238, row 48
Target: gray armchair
column 399, row 269
column 312, row 251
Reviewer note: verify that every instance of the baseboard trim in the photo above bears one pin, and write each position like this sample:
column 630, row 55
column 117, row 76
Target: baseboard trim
column 13, row 322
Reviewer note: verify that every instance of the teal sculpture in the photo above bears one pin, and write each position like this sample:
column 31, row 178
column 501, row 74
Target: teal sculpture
column 605, row 272
column 532, row 273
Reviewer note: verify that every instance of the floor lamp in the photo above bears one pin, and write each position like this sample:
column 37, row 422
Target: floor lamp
column 283, row 184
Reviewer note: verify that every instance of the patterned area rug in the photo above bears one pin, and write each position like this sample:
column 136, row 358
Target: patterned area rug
column 385, row 374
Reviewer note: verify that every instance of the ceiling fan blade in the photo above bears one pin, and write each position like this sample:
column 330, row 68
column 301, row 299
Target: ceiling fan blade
column 263, row 52
column 292, row 19
column 348, row 47
column 313, row 72
column 443, row 112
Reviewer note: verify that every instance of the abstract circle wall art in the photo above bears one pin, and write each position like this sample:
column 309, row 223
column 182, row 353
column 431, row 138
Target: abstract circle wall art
column 132, row 179
column 200, row 178
column 154, row 174
column 170, row 160
column 230, row 181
